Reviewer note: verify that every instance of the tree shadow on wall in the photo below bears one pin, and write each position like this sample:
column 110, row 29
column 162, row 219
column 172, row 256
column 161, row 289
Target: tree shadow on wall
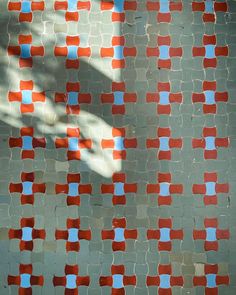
column 49, row 75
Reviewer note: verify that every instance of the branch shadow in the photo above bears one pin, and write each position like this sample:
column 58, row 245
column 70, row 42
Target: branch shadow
column 49, row 75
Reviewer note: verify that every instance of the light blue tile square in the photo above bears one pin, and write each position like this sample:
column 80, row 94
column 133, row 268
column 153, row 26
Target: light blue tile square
column 164, row 6
column 210, row 51
column 25, row 51
column 119, row 143
column 209, row 6
column 71, row 282
column 210, row 188
column 26, row 96
column 25, row 6
column 72, row 98
column 73, row 235
column 118, row 52
column 72, row 5
column 27, row 143
column 72, row 52
column 119, row 189
column 209, row 97
column 118, row 97
column 117, row 281
column 211, row 280
column 27, row 234
column 165, row 281
column 73, row 144
column 73, row 189
column 211, row 234
column 119, row 6
column 25, row 280
column 164, row 97
column 210, row 143
column 164, row 189
column 164, row 144
column 165, row 234
column 27, row 188
column 164, row 52
column 119, row 234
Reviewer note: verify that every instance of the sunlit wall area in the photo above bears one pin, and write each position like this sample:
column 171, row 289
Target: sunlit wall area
column 117, row 123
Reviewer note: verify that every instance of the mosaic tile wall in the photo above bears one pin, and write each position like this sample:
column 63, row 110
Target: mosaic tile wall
column 118, row 137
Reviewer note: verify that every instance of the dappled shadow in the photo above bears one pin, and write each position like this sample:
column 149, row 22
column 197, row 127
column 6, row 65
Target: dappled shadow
column 49, row 76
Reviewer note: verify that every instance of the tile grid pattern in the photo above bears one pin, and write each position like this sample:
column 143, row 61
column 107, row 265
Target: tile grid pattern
column 165, row 223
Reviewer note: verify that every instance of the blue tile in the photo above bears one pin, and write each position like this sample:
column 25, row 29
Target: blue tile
column 210, row 51
column 119, row 234
column 119, row 143
column 25, row 51
column 209, row 8
column 119, row 189
column 164, row 52
column 72, row 98
column 72, row 5
column 211, row 280
column 164, row 144
column 73, row 235
column 71, row 281
column 27, row 143
column 211, row 234
column 164, row 6
column 73, row 144
column 164, row 189
column 26, row 234
column 119, row 6
column 73, row 189
column 210, row 188
column 117, row 281
column 118, row 98
column 164, row 97
column 26, row 6
column 26, row 96
column 72, row 52
column 209, row 97
column 210, row 143
column 165, row 281
column 118, row 52
column 165, row 234
column 27, row 188
column 25, row 280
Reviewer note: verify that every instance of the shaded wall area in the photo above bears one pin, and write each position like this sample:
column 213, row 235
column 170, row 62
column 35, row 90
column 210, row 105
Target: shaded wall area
column 118, row 158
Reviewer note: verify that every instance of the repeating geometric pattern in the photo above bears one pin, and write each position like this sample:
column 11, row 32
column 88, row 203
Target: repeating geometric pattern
column 117, row 121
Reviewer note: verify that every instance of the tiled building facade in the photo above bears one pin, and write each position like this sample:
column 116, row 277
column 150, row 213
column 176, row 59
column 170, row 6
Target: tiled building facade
column 118, row 135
